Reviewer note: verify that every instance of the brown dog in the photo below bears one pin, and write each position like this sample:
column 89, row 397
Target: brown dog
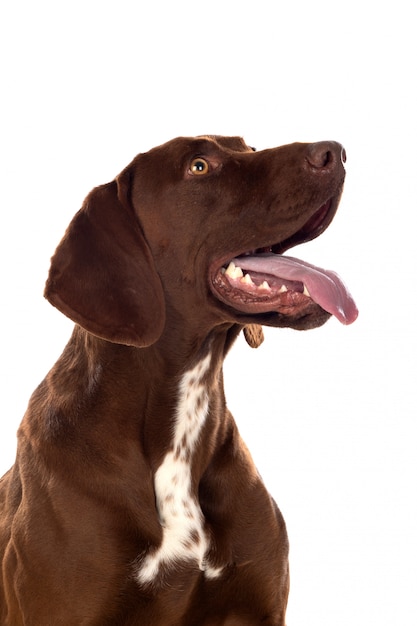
column 133, row 499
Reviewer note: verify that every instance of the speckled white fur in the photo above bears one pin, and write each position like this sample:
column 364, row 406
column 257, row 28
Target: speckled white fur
column 184, row 537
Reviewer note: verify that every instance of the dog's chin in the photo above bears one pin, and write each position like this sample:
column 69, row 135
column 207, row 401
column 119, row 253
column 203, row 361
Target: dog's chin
column 254, row 302
column 305, row 321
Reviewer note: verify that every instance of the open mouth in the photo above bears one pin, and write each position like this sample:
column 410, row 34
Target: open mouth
column 264, row 281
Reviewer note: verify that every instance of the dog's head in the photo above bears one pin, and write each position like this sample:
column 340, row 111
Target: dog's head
column 197, row 227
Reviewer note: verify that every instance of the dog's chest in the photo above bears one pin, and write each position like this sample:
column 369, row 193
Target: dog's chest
column 184, row 537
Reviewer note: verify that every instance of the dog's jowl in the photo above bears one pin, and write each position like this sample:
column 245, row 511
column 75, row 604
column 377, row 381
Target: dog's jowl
column 133, row 499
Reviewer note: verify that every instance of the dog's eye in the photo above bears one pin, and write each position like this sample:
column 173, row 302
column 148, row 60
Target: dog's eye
column 199, row 167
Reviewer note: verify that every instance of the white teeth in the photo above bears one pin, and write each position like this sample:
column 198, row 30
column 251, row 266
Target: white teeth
column 247, row 280
column 233, row 271
column 265, row 285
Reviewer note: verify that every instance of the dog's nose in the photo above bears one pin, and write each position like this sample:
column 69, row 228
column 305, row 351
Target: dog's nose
column 326, row 155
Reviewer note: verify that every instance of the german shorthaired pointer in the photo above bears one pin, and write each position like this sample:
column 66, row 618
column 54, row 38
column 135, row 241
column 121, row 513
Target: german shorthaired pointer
column 133, row 499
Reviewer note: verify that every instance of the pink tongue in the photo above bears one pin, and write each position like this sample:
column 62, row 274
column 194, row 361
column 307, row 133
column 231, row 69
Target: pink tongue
column 325, row 288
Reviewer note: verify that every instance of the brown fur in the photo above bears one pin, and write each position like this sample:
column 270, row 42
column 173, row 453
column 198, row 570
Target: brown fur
column 134, row 271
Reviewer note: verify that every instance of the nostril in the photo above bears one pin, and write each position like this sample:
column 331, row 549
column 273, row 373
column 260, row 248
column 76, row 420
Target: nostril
column 325, row 154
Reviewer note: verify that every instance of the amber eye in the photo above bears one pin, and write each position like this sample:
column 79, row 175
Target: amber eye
column 199, row 167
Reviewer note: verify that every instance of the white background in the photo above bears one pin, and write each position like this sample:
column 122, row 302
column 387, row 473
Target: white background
column 329, row 414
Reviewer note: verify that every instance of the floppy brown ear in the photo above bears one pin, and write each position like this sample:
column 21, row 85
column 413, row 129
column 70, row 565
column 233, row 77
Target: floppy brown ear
column 254, row 335
column 102, row 274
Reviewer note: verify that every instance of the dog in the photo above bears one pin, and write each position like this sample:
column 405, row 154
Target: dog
column 133, row 499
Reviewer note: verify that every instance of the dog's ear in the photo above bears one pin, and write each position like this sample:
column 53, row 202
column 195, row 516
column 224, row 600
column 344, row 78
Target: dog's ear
column 254, row 335
column 102, row 274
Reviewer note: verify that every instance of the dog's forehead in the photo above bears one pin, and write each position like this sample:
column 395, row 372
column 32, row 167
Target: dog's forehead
column 237, row 144
column 168, row 161
column 203, row 144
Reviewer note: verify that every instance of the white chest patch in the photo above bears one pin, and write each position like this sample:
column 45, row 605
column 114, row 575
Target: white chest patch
column 184, row 537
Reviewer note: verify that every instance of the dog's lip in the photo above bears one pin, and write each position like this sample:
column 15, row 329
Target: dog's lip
column 286, row 285
column 314, row 226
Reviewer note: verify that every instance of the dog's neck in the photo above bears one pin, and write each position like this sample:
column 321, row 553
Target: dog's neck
column 163, row 417
column 152, row 387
